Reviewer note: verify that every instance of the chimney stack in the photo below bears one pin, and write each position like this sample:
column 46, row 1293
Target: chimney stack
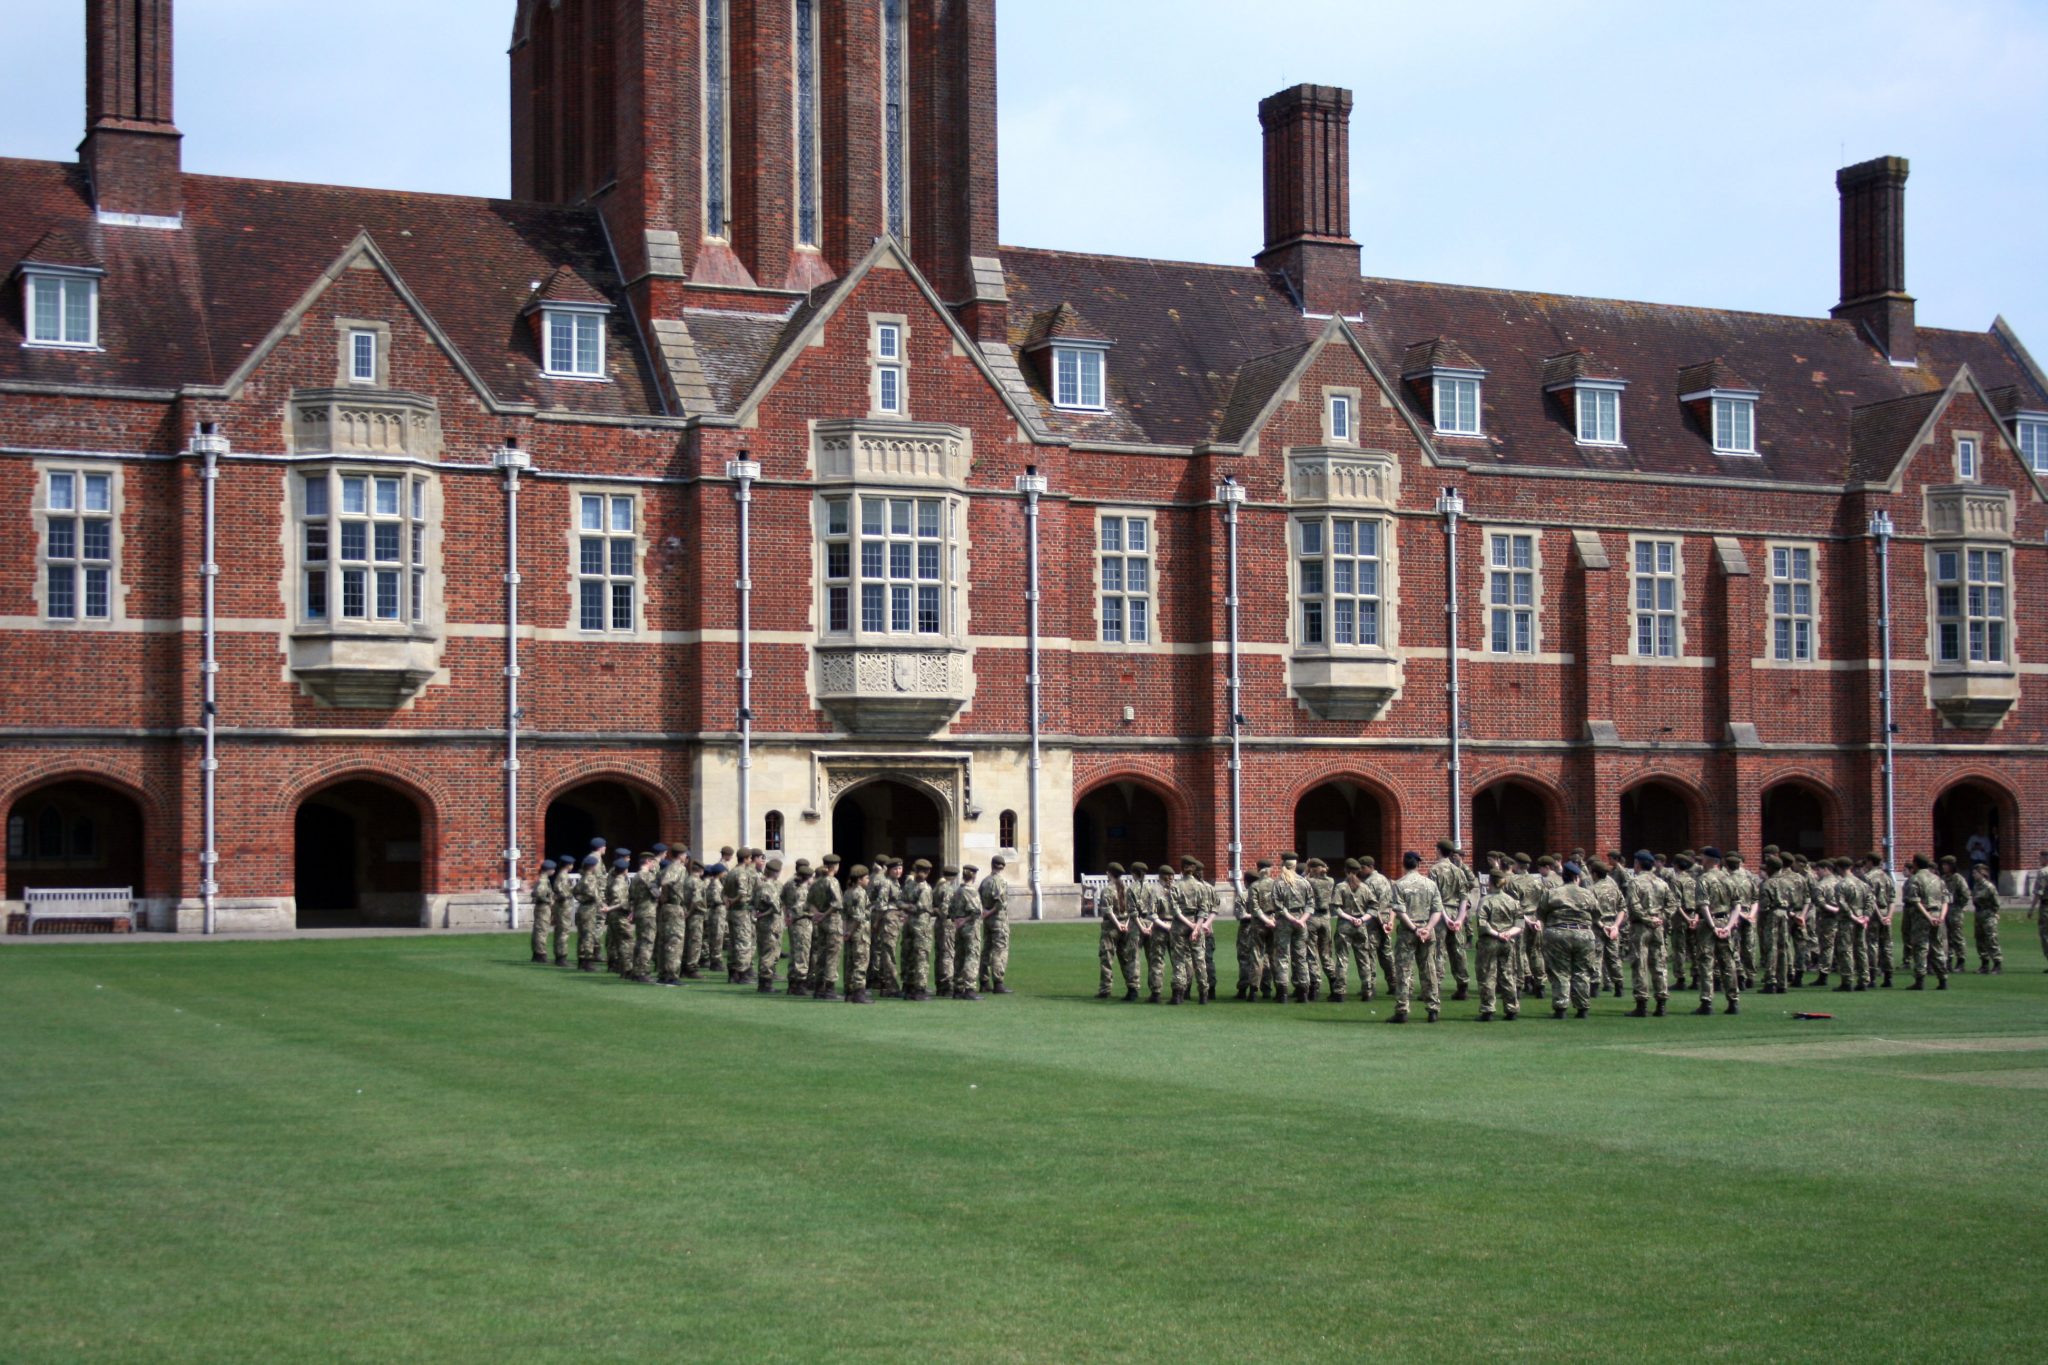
column 131, row 150
column 1874, row 255
column 1308, row 196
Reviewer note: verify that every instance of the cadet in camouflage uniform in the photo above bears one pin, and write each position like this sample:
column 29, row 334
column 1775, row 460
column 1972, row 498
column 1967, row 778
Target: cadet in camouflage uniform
column 1355, row 916
column 1884, row 896
column 1925, row 902
column 641, row 892
column 854, row 930
column 1454, row 884
column 1290, row 933
column 1148, row 920
column 1270, row 944
column 822, row 903
column 1194, row 908
column 1684, row 946
column 1984, row 907
column 914, row 902
column 1498, row 923
column 618, row 915
column 1569, row 913
column 1784, row 889
column 1958, row 889
column 796, row 914
column 1718, row 953
column 995, row 926
column 1527, row 887
column 589, row 913
column 2041, row 904
column 966, row 930
column 767, row 928
column 1852, row 898
column 715, row 919
column 1118, row 941
column 1608, row 933
column 736, row 897
column 943, row 891
column 1650, row 901
column 547, row 915
column 885, row 931
column 565, row 901
column 672, row 919
column 1252, row 935
column 1418, row 918
column 1322, row 903
column 1749, row 890
column 1827, row 901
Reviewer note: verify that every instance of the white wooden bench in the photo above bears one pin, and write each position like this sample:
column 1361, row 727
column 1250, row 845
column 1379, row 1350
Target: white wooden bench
column 110, row 903
column 1092, row 888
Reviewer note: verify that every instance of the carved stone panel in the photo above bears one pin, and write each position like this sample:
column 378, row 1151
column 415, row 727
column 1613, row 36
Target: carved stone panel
column 1967, row 510
column 1338, row 476
column 893, row 453
column 880, row 690
column 1344, row 688
column 364, row 422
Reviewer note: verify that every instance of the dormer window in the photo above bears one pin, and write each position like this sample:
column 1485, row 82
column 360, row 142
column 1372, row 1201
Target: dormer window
column 1735, row 424
column 63, row 307
column 1077, row 378
column 2032, row 430
column 1457, row 404
column 1599, row 415
column 573, row 342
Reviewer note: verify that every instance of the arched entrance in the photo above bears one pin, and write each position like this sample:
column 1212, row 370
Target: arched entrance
column 1974, row 809
column 358, row 857
column 1340, row 820
column 1510, row 817
column 73, row 834
column 1796, row 820
column 1655, row 816
column 888, row 816
column 625, row 815
column 1121, row 823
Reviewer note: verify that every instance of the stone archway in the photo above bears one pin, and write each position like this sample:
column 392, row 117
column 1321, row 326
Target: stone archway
column 358, row 858
column 1796, row 819
column 1340, row 819
column 890, row 816
column 1655, row 815
column 74, row 833
column 1511, row 817
column 1975, row 810
column 624, row 814
column 1121, row 822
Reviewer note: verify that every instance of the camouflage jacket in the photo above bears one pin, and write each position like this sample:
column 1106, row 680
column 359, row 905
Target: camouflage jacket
column 1417, row 899
column 1570, row 907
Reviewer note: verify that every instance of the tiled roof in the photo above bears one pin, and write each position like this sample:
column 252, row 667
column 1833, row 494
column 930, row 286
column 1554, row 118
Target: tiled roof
column 1880, row 433
column 1712, row 374
column 188, row 307
column 59, row 247
column 1437, row 353
column 1064, row 323
column 566, row 286
column 1575, row 366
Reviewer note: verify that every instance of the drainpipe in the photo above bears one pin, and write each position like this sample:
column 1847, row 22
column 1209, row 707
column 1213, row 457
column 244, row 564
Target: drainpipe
column 512, row 459
column 1032, row 485
column 1452, row 506
column 746, row 471
column 1231, row 493
column 211, row 445
column 1882, row 530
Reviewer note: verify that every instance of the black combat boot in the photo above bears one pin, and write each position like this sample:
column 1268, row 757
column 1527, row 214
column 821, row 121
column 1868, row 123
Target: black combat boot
column 1557, row 1011
column 1919, row 984
column 1336, row 997
column 968, row 995
column 1844, row 986
column 827, row 993
column 1153, row 999
column 1641, row 1011
column 1302, row 995
column 1820, row 978
column 1178, row 996
column 859, row 997
column 1000, row 989
column 1706, row 1007
column 1941, row 983
column 1102, row 994
column 1734, row 1007
column 1398, row 1017
column 1434, row 1015
column 1463, row 992
column 1486, row 1016
column 767, row 986
column 561, row 962
column 1580, row 1012
column 1131, row 996
column 541, row 959
column 1887, row 982
column 1660, row 1009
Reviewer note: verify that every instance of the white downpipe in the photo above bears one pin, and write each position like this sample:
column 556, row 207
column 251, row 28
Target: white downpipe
column 212, row 445
column 1882, row 530
column 1452, row 506
column 1231, row 492
column 746, row 471
column 1032, row 484
column 512, row 459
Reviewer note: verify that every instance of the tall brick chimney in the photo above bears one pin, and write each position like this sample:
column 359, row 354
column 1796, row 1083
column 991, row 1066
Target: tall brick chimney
column 953, row 157
column 1874, row 255
column 132, row 149
column 1308, row 195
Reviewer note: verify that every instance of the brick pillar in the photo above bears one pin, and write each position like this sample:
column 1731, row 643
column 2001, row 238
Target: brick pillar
column 132, row 148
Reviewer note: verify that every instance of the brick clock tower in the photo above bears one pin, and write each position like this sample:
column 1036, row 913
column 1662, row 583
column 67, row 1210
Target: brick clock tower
column 762, row 146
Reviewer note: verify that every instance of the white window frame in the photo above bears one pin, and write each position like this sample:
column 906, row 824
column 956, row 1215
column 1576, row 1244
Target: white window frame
column 577, row 319
column 358, row 337
column 2030, row 434
column 615, row 573
column 38, row 280
column 1972, row 610
column 1969, row 458
column 1726, row 409
column 1456, row 382
column 889, row 370
column 1663, row 604
column 883, row 558
column 78, row 523
column 1792, row 602
column 1340, row 417
column 1126, row 606
column 1072, row 393
column 1320, row 569
column 1589, row 402
column 329, row 521
column 1512, row 591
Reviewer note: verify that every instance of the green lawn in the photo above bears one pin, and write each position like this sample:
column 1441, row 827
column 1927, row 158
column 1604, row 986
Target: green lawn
column 428, row 1148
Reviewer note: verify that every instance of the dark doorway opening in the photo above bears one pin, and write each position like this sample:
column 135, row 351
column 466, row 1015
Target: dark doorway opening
column 74, row 835
column 358, row 859
column 1655, row 816
column 890, row 817
column 1340, row 820
column 624, row 816
column 1510, row 818
column 1796, row 820
column 1974, row 811
column 1124, row 822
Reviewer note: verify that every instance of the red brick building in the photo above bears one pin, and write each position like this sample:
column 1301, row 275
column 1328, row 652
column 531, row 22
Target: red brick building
column 765, row 231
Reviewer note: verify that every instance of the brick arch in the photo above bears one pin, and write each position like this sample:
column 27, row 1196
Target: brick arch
column 1556, row 806
column 2012, row 853
column 1688, row 791
column 141, row 866
column 1392, row 816
column 1814, row 784
column 428, row 798
column 1163, row 784
column 80, row 768
column 626, row 775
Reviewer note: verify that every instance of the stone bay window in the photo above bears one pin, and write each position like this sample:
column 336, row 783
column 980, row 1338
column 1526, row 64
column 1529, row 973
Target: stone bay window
column 1341, row 537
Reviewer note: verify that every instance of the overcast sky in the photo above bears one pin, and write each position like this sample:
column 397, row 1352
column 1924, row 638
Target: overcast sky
column 1677, row 153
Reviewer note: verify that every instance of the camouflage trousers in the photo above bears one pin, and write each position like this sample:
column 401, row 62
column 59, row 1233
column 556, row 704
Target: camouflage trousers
column 1877, row 940
column 2041, row 928
column 1532, row 954
column 942, row 955
column 966, row 935
column 827, row 940
column 1852, row 959
column 696, row 929
column 1186, row 952
column 1832, row 923
column 1646, row 968
column 850, row 938
column 1414, row 966
column 1290, row 956
column 739, row 940
column 672, row 936
column 1774, row 938
column 646, row 933
column 714, row 937
column 885, row 960
column 995, row 949
column 1573, row 962
column 1158, row 950
column 1610, row 960
column 618, row 939
column 1955, row 939
column 1988, row 954
column 917, row 955
column 802, row 929
column 1254, row 951
column 1717, row 960
column 1117, row 948
column 550, row 925
column 1752, row 956
column 1926, row 946
column 1321, row 952
column 589, row 931
column 1354, row 948
column 1451, row 961
column 767, row 944
column 1497, row 983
